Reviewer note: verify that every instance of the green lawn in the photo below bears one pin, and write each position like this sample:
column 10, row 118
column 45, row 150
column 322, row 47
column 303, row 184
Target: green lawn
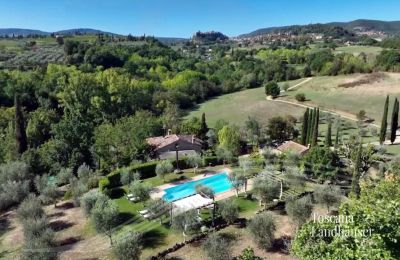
column 237, row 107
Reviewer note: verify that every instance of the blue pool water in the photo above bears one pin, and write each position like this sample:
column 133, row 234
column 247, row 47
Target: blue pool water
column 218, row 183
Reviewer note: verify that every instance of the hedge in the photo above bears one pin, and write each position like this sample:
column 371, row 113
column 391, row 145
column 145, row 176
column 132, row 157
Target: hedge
column 146, row 170
column 213, row 160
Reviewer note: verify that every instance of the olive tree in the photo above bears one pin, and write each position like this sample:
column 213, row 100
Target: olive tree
column 229, row 211
column 186, row 222
column 266, row 190
column 328, row 195
column 299, row 210
column 89, row 199
column 163, row 168
column 140, row 190
column 129, row 176
column 217, row 247
column 262, row 228
column 128, row 246
column 237, row 181
column 195, row 161
column 104, row 216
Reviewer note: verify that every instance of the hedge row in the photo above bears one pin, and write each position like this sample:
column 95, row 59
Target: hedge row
column 146, row 170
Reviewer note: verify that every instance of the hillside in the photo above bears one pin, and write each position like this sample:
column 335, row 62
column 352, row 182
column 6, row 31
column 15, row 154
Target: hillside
column 21, row 31
column 389, row 27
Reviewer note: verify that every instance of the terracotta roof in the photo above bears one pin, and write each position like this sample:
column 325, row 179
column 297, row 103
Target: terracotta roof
column 293, row 147
column 162, row 141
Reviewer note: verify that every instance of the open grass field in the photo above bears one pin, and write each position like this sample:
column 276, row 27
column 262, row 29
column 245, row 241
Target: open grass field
column 357, row 49
column 361, row 92
column 237, row 107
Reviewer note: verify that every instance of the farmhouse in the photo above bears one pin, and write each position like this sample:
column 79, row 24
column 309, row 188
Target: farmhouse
column 165, row 147
column 290, row 146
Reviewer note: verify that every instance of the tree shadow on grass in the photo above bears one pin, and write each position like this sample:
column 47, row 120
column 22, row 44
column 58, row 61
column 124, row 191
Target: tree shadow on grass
column 125, row 218
column 65, row 205
column 117, row 193
column 5, row 224
column 69, row 242
column 281, row 245
column 59, row 225
column 153, row 238
column 56, row 214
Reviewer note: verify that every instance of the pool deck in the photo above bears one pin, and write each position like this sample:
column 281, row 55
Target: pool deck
column 158, row 192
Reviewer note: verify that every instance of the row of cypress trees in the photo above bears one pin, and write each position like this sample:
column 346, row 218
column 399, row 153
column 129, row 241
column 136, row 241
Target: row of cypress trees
column 394, row 122
column 309, row 131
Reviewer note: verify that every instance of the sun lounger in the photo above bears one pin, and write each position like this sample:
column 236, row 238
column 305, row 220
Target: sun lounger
column 129, row 195
column 147, row 216
column 134, row 199
column 142, row 212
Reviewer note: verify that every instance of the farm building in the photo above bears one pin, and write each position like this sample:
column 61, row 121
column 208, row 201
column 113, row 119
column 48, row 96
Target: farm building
column 290, row 146
column 165, row 147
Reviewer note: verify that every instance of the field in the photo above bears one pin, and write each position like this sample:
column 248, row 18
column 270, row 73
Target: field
column 350, row 93
column 236, row 107
column 371, row 51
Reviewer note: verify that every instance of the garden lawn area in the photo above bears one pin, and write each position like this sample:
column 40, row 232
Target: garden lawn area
column 324, row 92
column 237, row 107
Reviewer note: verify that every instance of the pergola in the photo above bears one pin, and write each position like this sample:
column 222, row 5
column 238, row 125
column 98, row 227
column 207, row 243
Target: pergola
column 192, row 202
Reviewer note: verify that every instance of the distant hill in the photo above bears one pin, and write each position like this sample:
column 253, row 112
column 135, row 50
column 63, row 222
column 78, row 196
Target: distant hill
column 356, row 25
column 78, row 31
column 20, row 31
column 376, row 25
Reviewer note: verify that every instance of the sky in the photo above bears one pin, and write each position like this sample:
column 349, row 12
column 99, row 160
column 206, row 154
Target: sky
column 181, row 18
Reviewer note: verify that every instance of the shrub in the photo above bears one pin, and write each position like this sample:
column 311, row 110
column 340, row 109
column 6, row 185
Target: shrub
column 84, row 173
column 104, row 183
column 300, row 97
column 272, row 89
column 262, row 228
column 129, row 246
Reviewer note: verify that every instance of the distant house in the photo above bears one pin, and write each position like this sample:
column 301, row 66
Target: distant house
column 165, row 147
column 290, row 146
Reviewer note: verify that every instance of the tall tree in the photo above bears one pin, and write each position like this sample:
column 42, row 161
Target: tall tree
column 304, row 128
column 20, row 134
column 337, row 136
column 203, row 127
column 382, row 135
column 395, row 121
column 314, row 140
column 355, row 185
column 310, row 125
column 328, row 138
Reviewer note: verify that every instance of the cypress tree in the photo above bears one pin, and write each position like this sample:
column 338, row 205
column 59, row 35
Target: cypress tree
column 314, row 141
column 310, row 125
column 337, row 137
column 355, row 185
column 395, row 121
column 328, row 138
column 304, row 128
column 203, row 126
column 382, row 135
column 20, row 134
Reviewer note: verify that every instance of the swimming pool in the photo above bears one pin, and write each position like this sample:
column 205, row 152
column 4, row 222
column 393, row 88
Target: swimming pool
column 218, row 183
